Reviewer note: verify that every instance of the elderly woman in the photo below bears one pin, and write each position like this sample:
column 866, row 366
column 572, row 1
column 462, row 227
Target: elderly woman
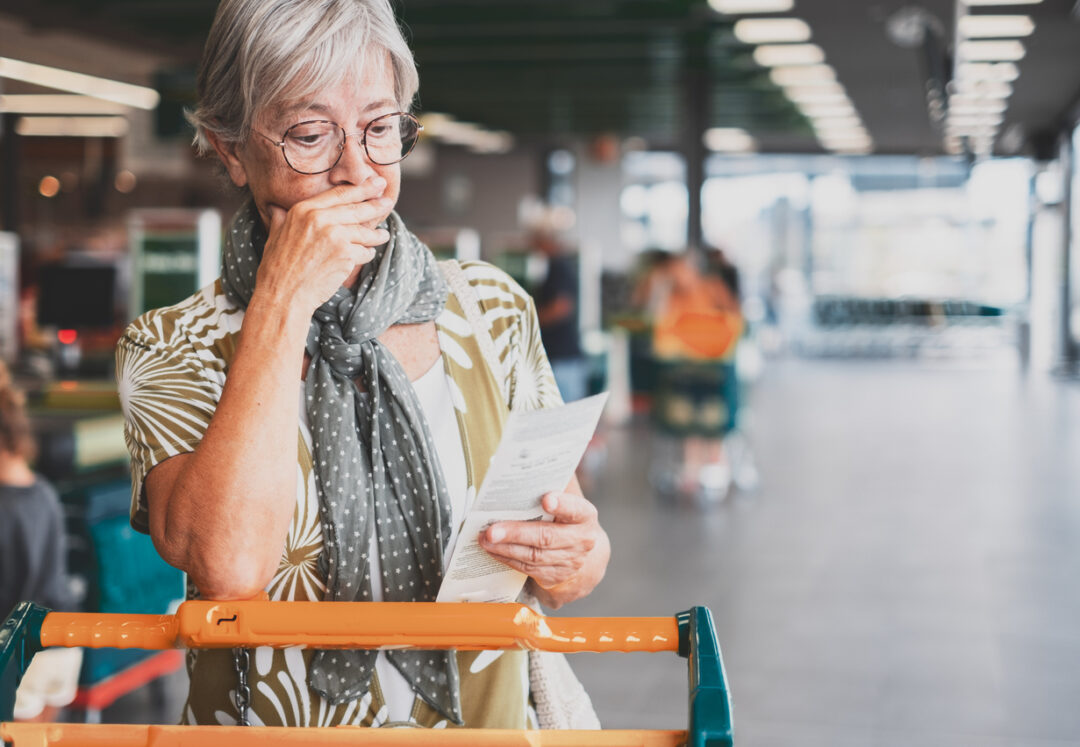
column 315, row 423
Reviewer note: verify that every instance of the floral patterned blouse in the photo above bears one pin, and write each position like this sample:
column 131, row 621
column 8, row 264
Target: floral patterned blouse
column 171, row 366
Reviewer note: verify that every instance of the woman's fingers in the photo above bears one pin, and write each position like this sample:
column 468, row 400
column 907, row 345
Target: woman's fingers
column 365, row 236
column 547, row 567
column 315, row 245
column 551, row 552
column 569, row 508
column 543, row 535
column 369, row 213
column 346, row 194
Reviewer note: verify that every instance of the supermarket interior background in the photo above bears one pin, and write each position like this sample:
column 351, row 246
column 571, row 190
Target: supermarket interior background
column 864, row 461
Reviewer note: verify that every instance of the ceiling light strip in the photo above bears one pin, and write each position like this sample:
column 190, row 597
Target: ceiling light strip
column 71, row 126
column 745, row 7
column 127, row 94
column 771, row 30
column 58, row 103
column 995, row 27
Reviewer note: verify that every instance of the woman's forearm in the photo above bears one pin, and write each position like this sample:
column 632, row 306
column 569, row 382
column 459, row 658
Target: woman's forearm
column 222, row 514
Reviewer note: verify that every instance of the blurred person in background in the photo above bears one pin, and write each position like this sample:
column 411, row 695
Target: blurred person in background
column 721, row 277
column 557, row 310
column 33, row 556
column 32, row 543
column 693, row 313
column 696, row 324
column 314, row 424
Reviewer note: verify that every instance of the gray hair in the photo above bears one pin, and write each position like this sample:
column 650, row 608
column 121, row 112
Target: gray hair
column 262, row 53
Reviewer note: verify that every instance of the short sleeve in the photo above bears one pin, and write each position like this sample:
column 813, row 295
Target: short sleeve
column 168, row 398
column 515, row 331
column 532, row 384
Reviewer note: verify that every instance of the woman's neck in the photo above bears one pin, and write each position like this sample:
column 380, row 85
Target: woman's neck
column 14, row 470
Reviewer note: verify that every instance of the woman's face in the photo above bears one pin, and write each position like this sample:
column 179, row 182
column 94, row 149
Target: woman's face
column 259, row 164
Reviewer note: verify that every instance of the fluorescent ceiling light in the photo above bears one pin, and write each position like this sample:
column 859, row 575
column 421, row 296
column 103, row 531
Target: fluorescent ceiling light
column 127, row 94
column 973, row 124
column 838, row 124
column 983, row 106
column 1001, row 71
column 57, row 103
column 972, row 132
column 729, row 140
column 803, row 75
column 824, row 96
column 445, row 128
column 995, row 27
column 991, row 51
column 971, row 3
column 737, row 7
column 771, row 30
column 434, row 119
column 71, row 126
column 492, row 142
column 983, row 89
column 826, row 111
column 963, row 120
column 772, row 55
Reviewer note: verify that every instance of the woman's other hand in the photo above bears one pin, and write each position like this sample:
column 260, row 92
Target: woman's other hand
column 316, row 246
column 565, row 558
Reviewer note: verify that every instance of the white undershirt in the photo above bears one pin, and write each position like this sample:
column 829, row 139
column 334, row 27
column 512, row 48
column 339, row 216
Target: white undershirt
column 433, row 392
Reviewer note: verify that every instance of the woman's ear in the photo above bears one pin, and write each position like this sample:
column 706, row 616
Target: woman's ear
column 229, row 155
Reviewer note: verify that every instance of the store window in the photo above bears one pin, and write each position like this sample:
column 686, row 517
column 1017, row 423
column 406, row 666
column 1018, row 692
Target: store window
column 1074, row 239
column 653, row 202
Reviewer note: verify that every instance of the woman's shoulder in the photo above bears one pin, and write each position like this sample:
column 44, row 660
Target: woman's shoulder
column 493, row 285
column 200, row 321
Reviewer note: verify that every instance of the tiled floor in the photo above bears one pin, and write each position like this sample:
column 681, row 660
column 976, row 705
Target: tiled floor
column 907, row 572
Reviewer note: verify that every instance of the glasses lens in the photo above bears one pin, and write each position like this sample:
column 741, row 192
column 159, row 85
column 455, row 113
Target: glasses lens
column 389, row 138
column 313, row 147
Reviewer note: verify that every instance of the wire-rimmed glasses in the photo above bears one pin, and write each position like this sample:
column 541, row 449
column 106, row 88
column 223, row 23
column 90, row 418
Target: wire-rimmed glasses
column 315, row 146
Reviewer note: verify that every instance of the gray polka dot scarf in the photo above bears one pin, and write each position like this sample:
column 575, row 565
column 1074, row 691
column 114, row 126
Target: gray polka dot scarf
column 376, row 468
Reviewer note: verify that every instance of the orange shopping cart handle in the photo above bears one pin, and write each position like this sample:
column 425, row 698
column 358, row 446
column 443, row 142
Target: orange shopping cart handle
column 424, row 625
column 143, row 735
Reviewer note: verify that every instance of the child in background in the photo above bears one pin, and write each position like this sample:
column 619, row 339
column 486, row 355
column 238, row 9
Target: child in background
column 32, row 555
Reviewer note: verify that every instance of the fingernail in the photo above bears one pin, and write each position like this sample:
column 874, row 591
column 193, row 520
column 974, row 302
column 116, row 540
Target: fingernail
column 496, row 534
column 378, row 182
column 552, row 501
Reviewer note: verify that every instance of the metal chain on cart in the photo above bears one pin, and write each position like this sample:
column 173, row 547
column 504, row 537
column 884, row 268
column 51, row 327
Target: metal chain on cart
column 241, row 661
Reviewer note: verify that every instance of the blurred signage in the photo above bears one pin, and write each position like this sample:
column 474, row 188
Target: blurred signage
column 174, row 253
column 9, row 296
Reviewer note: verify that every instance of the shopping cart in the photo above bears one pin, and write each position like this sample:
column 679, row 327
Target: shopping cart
column 201, row 624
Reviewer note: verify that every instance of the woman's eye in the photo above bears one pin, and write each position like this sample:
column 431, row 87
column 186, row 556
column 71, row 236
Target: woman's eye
column 380, row 130
column 307, row 137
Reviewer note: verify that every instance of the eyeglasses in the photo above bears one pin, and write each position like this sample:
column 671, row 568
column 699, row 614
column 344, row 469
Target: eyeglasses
column 315, row 146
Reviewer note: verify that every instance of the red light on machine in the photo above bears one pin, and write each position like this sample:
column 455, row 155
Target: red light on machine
column 67, row 336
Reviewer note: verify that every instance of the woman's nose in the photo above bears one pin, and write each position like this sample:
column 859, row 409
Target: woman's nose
column 354, row 166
